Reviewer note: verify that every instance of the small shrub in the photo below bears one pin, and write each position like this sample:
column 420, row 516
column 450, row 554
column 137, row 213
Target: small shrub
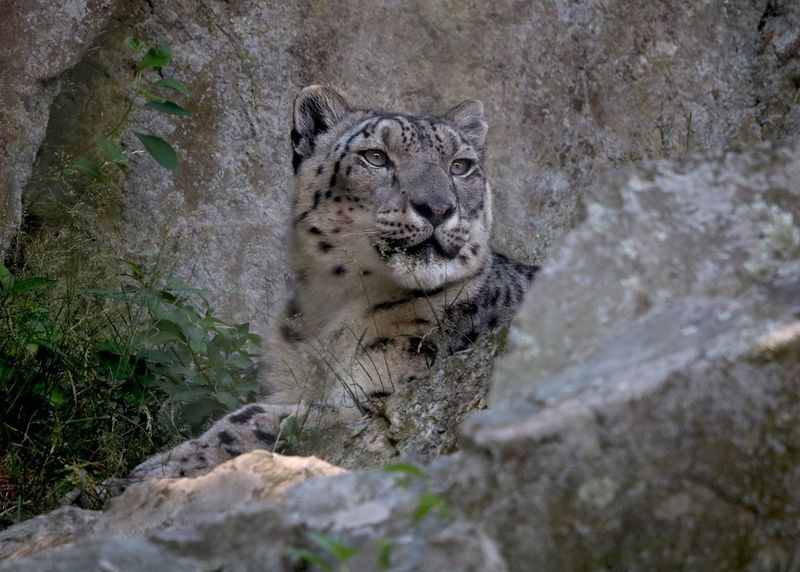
column 89, row 389
column 146, row 83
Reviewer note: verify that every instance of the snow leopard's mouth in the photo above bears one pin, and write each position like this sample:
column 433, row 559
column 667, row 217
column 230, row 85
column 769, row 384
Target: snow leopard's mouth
column 421, row 251
column 426, row 248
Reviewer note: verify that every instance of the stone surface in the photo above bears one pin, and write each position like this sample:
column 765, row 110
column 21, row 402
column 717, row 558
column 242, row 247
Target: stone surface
column 39, row 40
column 149, row 507
column 647, row 414
column 656, row 234
column 421, row 421
column 157, row 504
column 46, row 531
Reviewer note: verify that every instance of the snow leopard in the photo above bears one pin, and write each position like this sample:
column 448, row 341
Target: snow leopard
column 392, row 264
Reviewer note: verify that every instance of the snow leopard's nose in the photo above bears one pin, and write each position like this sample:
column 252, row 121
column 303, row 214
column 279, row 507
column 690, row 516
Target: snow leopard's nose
column 436, row 212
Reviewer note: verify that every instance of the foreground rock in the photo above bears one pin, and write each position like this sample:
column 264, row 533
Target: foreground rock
column 421, row 421
column 646, row 419
column 148, row 507
column 648, row 415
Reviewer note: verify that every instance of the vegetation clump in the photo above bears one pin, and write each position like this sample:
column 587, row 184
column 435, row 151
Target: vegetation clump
column 92, row 382
column 104, row 360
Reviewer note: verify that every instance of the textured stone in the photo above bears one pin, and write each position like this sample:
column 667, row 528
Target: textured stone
column 39, row 40
column 646, row 414
column 656, row 234
column 156, row 504
column 45, row 531
column 149, row 507
column 421, row 421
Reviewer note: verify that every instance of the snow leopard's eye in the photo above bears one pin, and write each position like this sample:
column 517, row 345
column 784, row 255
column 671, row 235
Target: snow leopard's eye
column 461, row 166
column 375, row 157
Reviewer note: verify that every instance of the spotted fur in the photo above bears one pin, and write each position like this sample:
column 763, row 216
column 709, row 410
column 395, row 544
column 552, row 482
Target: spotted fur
column 390, row 249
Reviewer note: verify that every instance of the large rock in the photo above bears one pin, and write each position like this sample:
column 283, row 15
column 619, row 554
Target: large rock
column 570, row 90
column 644, row 436
column 39, row 40
column 147, row 508
column 647, row 416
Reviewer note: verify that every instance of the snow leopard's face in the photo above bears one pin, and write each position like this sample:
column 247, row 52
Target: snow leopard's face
column 402, row 195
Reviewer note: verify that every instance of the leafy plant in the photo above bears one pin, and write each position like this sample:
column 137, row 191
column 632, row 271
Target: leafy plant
column 428, row 500
column 384, row 559
column 291, row 431
column 336, row 554
column 149, row 93
column 167, row 337
column 92, row 382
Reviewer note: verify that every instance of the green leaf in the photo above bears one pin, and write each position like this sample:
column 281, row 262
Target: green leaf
column 162, row 337
column 291, row 428
column 173, row 84
column 309, row 556
column 160, row 150
column 229, row 401
column 156, row 356
column 133, row 43
column 339, row 550
column 114, row 151
column 57, row 397
column 199, row 412
column 170, row 330
column 33, row 283
column 190, row 395
column 216, row 353
column 427, row 502
column 135, row 268
column 385, row 546
column 405, row 468
column 151, row 96
column 168, row 107
column 88, row 167
column 6, row 278
column 156, row 57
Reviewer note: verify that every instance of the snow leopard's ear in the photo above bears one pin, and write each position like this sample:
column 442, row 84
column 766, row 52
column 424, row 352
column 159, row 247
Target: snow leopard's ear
column 467, row 117
column 316, row 109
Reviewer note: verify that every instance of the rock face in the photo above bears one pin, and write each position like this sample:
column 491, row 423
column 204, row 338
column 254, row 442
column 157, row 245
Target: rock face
column 647, row 422
column 39, row 40
column 570, row 89
column 421, row 421
column 149, row 507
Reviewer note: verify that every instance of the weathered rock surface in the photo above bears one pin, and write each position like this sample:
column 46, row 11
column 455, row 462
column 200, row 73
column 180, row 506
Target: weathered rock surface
column 654, row 435
column 149, row 507
column 647, row 416
column 45, row 531
column 157, row 504
column 421, row 421
column 39, row 41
